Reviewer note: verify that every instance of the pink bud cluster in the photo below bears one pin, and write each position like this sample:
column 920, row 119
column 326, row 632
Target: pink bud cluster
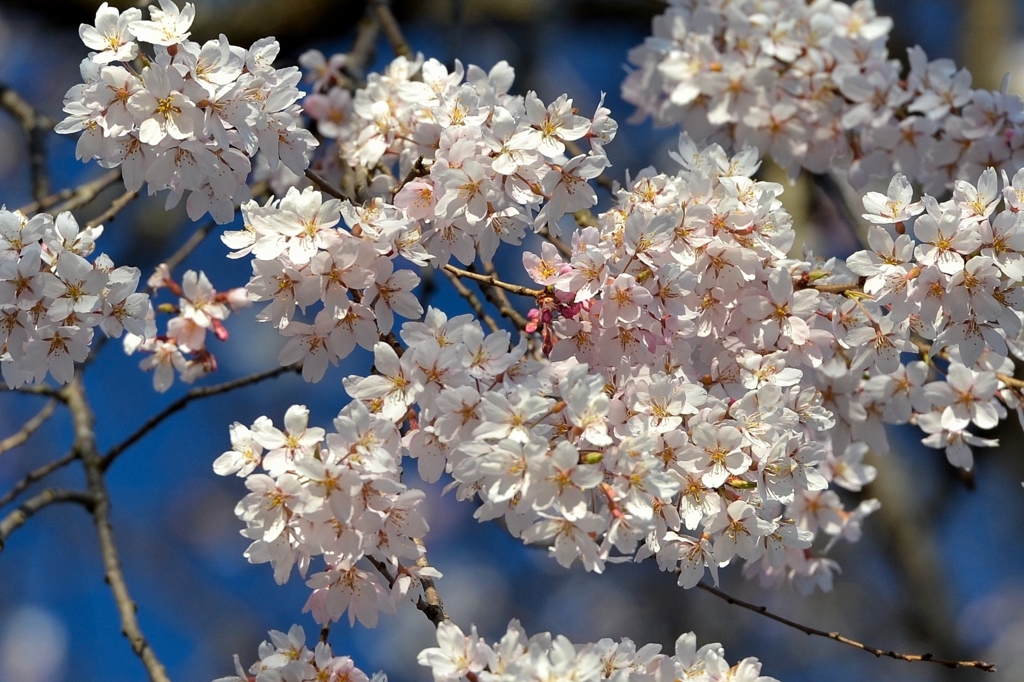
column 182, row 349
column 812, row 84
column 189, row 117
column 473, row 164
column 52, row 297
column 518, row 658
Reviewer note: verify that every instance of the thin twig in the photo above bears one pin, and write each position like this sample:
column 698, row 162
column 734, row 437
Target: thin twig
column 429, row 602
column 29, row 427
column 183, row 401
column 17, row 518
column 499, row 299
column 494, row 281
column 363, row 48
column 115, row 207
column 35, row 126
column 322, row 182
column 928, row 658
column 196, row 238
column 74, row 197
column 32, row 389
column 85, row 446
column 393, row 32
column 836, row 288
column 925, row 348
column 473, row 300
column 36, row 475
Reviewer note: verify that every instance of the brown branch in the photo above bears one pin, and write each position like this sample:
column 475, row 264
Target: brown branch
column 33, row 389
column 473, row 300
column 29, row 427
column 393, row 32
column 74, row 197
column 362, row 48
column 17, row 518
column 431, row 604
column 430, row 601
column 494, row 281
column 925, row 349
column 35, row 126
column 322, row 182
column 85, row 446
column 201, row 232
column 35, row 475
column 183, row 401
column 115, row 207
column 913, row 658
column 499, row 299
column 838, row 288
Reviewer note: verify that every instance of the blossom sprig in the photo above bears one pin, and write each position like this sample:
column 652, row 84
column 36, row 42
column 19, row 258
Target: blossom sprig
column 187, row 118
column 461, row 657
column 287, row 657
column 714, row 277
column 182, row 349
column 338, row 496
column 813, row 86
column 303, row 256
column 52, row 297
column 516, row 657
column 473, row 164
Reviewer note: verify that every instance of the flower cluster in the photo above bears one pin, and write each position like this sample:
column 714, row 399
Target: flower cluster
column 182, row 348
column 301, row 257
column 286, row 658
column 52, row 297
column 813, row 85
column 474, row 164
column 187, row 118
column 480, row 175
column 336, row 495
column 956, row 286
column 518, row 658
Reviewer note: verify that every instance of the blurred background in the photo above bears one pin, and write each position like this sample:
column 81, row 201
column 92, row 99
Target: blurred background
column 940, row 568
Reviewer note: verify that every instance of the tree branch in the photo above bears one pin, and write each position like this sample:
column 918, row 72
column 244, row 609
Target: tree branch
column 473, row 300
column 35, row 475
column 35, row 126
column 494, row 281
column 183, row 401
column 499, row 299
column 430, row 601
column 29, row 427
column 74, row 197
column 201, row 232
column 17, row 518
column 85, row 447
column 33, row 389
column 115, row 207
column 322, row 182
column 913, row 658
column 393, row 32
